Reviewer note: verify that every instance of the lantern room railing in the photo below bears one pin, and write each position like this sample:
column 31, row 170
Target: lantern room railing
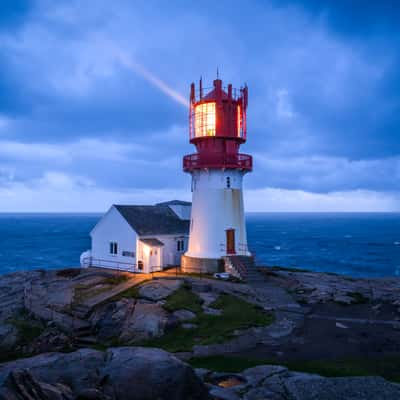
column 217, row 160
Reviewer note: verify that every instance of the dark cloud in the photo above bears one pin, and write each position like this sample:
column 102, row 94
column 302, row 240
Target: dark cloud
column 323, row 78
column 13, row 13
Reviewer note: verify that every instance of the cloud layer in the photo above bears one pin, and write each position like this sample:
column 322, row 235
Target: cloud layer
column 93, row 101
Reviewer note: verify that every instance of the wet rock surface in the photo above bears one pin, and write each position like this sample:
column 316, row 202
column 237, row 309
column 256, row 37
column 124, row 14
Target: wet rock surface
column 159, row 289
column 145, row 374
column 119, row 373
column 355, row 316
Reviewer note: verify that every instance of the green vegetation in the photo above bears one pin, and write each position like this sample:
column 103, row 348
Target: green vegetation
column 388, row 367
column 236, row 314
column 183, row 299
column 358, row 298
column 28, row 329
column 131, row 293
column 115, row 280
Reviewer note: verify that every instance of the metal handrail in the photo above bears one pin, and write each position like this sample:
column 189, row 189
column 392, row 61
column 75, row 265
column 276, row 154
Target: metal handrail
column 117, row 263
column 217, row 160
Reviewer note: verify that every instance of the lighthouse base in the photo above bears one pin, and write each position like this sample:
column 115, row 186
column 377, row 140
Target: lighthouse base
column 202, row 265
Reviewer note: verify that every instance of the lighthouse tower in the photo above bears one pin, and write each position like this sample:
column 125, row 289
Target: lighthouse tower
column 217, row 120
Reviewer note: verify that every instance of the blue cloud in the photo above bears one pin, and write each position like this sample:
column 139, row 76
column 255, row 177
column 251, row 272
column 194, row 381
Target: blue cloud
column 323, row 78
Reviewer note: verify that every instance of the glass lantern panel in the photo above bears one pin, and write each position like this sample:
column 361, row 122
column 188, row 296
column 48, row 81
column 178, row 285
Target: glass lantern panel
column 204, row 119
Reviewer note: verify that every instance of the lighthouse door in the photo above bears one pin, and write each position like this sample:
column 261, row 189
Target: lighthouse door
column 230, row 241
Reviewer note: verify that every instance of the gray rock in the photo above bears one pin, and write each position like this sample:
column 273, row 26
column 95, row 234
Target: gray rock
column 8, row 336
column 92, row 394
column 208, row 297
column 123, row 373
column 20, row 384
column 147, row 321
column 202, row 373
column 159, row 289
column 212, row 311
column 220, row 393
column 78, row 370
column 109, row 319
column 360, row 388
column 262, row 393
column 184, row 315
column 189, row 326
column 342, row 298
column 256, row 375
column 147, row 374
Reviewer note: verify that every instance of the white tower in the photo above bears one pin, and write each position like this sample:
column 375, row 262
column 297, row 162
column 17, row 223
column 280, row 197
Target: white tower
column 217, row 129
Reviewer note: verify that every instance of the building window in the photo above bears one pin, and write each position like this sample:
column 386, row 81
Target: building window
column 180, row 245
column 228, row 182
column 204, row 119
column 113, row 248
column 140, row 265
column 128, row 254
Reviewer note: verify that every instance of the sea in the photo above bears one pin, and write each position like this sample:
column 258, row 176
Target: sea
column 355, row 244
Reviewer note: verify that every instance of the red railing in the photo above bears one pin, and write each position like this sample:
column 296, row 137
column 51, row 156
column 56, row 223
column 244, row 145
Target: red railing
column 217, row 160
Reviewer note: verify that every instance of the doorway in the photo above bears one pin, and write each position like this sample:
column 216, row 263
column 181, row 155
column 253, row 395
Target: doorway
column 230, row 241
column 154, row 259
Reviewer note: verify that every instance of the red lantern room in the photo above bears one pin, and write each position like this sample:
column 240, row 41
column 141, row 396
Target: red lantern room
column 217, row 123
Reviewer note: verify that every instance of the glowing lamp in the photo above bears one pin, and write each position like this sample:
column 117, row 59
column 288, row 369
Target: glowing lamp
column 204, row 119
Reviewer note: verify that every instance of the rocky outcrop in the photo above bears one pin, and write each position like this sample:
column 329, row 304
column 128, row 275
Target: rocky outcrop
column 184, row 315
column 130, row 320
column 122, row 373
column 159, row 289
column 146, row 322
column 316, row 287
column 277, row 383
column 20, row 384
column 8, row 337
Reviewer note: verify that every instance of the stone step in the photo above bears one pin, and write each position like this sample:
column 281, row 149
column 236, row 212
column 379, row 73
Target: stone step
column 79, row 333
column 86, row 340
column 81, row 310
column 9, row 303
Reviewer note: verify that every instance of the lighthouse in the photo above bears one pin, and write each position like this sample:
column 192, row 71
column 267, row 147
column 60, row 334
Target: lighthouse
column 217, row 127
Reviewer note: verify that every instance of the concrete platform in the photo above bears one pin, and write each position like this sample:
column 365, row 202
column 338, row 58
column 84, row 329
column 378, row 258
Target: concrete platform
column 201, row 265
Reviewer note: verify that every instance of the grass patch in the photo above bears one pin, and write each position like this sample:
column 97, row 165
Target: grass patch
column 131, row 293
column 388, row 368
column 236, row 314
column 28, row 329
column 115, row 280
column 358, row 298
column 183, row 299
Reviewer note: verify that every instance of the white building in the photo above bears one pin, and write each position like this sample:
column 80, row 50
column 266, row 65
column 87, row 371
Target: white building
column 140, row 238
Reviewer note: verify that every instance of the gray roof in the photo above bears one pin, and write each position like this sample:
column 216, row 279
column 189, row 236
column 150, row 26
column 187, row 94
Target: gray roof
column 153, row 242
column 153, row 220
column 175, row 203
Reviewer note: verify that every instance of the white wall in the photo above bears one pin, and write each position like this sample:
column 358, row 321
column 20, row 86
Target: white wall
column 169, row 254
column 113, row 228
column 216, row 208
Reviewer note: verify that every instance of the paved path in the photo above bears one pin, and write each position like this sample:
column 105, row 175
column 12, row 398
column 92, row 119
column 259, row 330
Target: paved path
column 135, row 280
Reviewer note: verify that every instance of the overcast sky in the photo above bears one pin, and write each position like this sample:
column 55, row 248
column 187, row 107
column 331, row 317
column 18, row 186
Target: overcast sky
column 92, row 100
